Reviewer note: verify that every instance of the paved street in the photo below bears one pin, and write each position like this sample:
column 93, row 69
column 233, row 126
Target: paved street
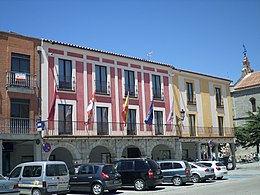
column 244, row 180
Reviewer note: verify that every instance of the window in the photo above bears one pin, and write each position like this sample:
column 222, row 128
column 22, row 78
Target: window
column 131, row 123
column 129, row 83
column 65, row 74
column 102, row 120
column 177, row 166
column 32, row 171
column 190, row 93
column 220, row 125
column 218, row 97
column 20, row 71
column 56, row 170
column 16, row 172
column 20, row 109
column 101, row 79
column 156, row 86
column 165, row 166
column 65, row 119
column 192, row 124
column 20, row 63
column 158, row 118
column 252, row 100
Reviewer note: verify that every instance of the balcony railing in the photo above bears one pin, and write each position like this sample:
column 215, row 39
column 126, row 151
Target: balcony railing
column 23, row 126
column 203, row 132
column 17, row 79
column 220, row 103
column 191, row 100
column 80, row 128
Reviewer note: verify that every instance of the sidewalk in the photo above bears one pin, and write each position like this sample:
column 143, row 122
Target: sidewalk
column 246, row 169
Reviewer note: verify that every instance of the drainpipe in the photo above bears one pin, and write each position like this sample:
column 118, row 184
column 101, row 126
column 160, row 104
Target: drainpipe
column 39, row 50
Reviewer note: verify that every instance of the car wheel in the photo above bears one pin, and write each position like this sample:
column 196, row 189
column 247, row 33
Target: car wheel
column 139, row 184
column 97, row 189
column 177, row 181
column 220, row 177
column 36, row 192
column 113, row 191
column 195, row 178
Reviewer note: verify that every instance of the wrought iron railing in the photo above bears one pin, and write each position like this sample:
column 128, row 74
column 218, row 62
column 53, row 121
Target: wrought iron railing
column 15, row 125
column 80, row 128
column 17, row 79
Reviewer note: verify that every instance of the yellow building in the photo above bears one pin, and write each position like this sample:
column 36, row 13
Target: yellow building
column 206, row 106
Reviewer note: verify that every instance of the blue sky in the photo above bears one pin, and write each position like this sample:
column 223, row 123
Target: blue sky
column 204, row 36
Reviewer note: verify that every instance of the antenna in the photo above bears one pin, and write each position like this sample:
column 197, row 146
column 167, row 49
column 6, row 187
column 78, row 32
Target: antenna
column 149, row 54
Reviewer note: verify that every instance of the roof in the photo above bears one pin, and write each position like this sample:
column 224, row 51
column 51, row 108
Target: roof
column 250, row 80
column 106, row 52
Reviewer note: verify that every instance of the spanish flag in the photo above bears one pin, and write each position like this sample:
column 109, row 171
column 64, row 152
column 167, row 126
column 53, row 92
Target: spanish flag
column 125, row 109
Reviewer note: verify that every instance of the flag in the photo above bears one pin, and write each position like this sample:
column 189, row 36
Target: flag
column 170, row 116
column 125, row 109
column 52, row 109
column 90, row 108
column 149, row 118
column 40, row 125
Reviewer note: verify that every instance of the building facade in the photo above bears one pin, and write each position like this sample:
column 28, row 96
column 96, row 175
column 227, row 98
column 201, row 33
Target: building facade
column 18, row 100
column 71, row 74
column 246, row 97
column 192, row 112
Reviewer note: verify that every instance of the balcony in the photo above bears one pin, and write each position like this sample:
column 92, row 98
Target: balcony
column 20, row 82
column 66, row 83
column 13, row 127
column 220, row 103
column 80, row 128
column 207, row 132
column 191, row 100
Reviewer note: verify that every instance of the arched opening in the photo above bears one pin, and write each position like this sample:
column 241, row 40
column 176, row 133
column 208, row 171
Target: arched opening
column 100, row 154
column 131, row 152
column 252, row 100
column 61, row 154
column 161, row 152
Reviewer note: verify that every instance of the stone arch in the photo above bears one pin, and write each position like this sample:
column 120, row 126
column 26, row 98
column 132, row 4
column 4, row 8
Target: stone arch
column 162, row 152
column 99, row 154
column 132, row 151
column 73, row 151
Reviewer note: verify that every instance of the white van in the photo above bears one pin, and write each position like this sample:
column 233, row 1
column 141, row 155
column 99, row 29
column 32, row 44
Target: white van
column 41, row 177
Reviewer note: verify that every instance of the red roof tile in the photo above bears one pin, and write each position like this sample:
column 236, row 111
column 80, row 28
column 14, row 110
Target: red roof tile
column 250, row 80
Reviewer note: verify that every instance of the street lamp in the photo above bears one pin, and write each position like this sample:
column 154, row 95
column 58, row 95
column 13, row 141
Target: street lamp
column 182, row 112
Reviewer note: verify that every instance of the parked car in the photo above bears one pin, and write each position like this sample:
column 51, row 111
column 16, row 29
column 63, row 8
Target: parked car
column 201, row 172
column 176, row 172
column 41, row 177
column 8, row 187
column 141, row 173
column 94, row 178
column 219, row 168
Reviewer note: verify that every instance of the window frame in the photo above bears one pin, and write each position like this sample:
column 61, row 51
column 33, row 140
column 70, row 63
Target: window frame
column 192, row 124
column 101, row 79
column 65, row 118
column 129, row 83
column 156, row 87
column 65, row 75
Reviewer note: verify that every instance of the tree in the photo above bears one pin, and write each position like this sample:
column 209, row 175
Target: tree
column 248, row 135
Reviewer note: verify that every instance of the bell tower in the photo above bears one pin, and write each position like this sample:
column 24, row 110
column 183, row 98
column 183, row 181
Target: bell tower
column 246, row 64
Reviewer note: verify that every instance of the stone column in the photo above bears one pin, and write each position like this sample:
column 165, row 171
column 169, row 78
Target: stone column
column 233, row 155
column 1, row 156
column 216, row 151
column 198, row 151
column 37, row 145
column 178, row 150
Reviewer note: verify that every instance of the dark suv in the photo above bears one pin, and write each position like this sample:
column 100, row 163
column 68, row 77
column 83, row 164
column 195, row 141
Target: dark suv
column 176, row 172
column 94, row 178
column 139, row 172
